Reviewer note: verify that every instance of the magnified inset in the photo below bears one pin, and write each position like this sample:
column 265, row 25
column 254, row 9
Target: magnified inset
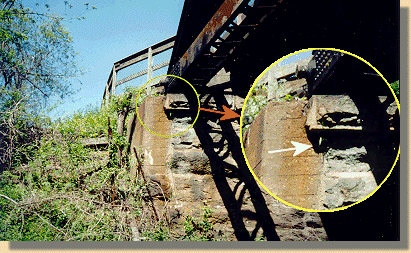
column 320, row 129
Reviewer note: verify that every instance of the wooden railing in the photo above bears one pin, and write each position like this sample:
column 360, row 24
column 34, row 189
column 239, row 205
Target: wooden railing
column 147, row 53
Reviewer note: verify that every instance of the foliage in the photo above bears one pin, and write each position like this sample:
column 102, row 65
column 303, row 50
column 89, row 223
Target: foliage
column 199, row 229
column 69, row 192
column 396, row 88
column 71, row 206
column 19, row 131
column 195, row 229
column 260, row 238
column 89, row 122
column 36, row 53
column 288, row 97
column 36, row 63
column 159, row 233
column 119, row 102
column 255, row 103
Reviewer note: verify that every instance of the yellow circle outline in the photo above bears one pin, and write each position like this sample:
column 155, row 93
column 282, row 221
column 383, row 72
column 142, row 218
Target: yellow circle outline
column 195, row 120
column 241, row 131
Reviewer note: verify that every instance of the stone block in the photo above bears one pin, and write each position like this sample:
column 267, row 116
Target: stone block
column 308, row 201
column 160, row 186
column 291, row 234
column 292, row 185
column 295, row 87
column 190, row 161
column 335, row 110
column 333, row 199
column 289, row 165
column 348, row 187
column 186, row 140
column 313, row 220
column 173, row 101
column 315, row 234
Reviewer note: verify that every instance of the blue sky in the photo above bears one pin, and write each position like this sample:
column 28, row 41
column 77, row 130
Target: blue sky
column 295, row 57
column 109, row 33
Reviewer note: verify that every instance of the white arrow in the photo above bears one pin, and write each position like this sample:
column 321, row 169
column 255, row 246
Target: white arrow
column 298, row 147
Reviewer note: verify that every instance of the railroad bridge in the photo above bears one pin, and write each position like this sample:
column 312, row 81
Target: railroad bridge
column 221, row 47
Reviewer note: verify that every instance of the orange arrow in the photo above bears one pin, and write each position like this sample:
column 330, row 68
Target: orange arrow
column 227, row 114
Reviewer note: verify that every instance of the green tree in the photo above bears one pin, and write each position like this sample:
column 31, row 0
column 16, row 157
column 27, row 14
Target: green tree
column 36, row 63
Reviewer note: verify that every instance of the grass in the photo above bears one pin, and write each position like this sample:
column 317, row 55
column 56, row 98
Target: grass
column 68, row 192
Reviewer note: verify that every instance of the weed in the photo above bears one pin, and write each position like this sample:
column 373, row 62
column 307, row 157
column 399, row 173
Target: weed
column 69, row 192
column 260, row 238
column 396, row 88
column 199, row 229
column 288, row 97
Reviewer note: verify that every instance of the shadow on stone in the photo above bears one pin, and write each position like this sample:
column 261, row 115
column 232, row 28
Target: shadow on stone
column 218, row 144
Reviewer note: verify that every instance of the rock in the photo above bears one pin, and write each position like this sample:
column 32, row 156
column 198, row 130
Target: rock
column 186, row 140
column 349, row 155
column 289, row 221
column 175, row 215
column 292, row 223
column 348, row 177
column 176, row 101
column 190, row 161
column 336, row 110
column 185, row 122
column 196, row 189
column 337, row 104
column 348, row 160
column 160, row 186
column 322, row 111
column 350, row 120
column 350, row 184
column 292, row 234
column 333, row 198
column 392, row 109
column 348, row 188
column 330, row 182
column 357, row 188
column 314, row 234
column 339, row 119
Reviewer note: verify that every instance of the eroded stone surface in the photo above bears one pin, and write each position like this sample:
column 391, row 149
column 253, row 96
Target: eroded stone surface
column 347, row 172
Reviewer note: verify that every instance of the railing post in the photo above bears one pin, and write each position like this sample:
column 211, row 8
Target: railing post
column 272, row 86
column 113, row 81
column 149, row 68
column 106, row 95
column 150, row 64
column 146, row 53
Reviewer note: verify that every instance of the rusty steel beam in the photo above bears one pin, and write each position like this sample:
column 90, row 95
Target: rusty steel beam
column 230, row 25
column 220, row 18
